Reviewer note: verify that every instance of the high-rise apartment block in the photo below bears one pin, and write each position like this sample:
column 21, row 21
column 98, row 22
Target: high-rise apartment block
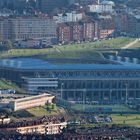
column 24, row 28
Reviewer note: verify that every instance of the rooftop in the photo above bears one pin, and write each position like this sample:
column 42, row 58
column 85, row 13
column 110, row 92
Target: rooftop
column 45, row 95
column 38, row 64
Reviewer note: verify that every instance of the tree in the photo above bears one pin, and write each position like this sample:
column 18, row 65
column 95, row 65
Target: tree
column 52, row 106
column 8, row 45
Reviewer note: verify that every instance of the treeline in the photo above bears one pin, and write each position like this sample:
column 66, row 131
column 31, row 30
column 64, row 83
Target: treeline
column 6, row 45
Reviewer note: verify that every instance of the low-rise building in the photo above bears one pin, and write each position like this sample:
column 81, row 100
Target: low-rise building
column 105, row 33
column 101, row 8
column 29, row 102
column 68, row 17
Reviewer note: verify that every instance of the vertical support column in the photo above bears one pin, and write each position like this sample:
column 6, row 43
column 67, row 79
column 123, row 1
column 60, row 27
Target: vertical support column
column 110, row 95
column 74, row 96
column 93, row 95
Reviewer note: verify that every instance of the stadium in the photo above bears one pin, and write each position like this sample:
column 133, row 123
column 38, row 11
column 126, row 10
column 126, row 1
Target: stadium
column 105, row 83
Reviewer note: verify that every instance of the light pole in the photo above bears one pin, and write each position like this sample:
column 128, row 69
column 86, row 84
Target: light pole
column 126, row 94
column 61, row 96
column 84, row 92
column 110, row 95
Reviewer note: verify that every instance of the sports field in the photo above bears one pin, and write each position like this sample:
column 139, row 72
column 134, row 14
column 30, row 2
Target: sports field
column 115, row 108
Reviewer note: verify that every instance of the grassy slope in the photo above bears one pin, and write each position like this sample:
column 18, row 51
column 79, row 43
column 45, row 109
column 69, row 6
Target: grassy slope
column 60, row 51
column 112, row 43
column 37, row 112
column 137, row 45
column 8, row 85
column 41, row 111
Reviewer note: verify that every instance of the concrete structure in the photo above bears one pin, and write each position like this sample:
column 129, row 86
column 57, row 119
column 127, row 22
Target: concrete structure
column 29, row 102
column 92, row 82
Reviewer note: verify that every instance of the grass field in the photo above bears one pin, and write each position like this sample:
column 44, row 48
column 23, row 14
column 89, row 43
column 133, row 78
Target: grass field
column 69, row 51
column 125, row 120
column 130, row 120
column 115, row 108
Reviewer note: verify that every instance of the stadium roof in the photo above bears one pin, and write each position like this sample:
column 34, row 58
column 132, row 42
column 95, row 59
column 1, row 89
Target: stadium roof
column 38, row 64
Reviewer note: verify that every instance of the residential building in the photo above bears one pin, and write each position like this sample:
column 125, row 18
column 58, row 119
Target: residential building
column 72, row 16
column 49, row 129
column 121, row 22
column 64, row 33
column 105, row 33
column 134, row 25
column 89, row 31
column 27, row 28
column 76, row 31
column 83, row 2
column 101, row 8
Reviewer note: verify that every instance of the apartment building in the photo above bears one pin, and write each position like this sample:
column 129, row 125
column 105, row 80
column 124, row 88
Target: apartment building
column 5, row 29
column 72, row 16
column 76, row 32
column 64, row 33
column 33, row 28
column 101, row 8
column 25, row 28
column 82, row 2
column 134, row 25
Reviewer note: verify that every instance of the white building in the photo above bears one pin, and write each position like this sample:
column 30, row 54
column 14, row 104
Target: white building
column 68, row 17
column 32, row 101
column 102, row 7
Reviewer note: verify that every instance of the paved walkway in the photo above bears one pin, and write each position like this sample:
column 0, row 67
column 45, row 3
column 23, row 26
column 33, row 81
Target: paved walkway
column 130, row 44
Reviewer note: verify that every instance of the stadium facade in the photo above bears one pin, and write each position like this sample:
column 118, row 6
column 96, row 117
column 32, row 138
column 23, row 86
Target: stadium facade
column 76, row 82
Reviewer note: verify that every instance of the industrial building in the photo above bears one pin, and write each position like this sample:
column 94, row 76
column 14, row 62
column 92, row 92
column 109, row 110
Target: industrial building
column 116, row 83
